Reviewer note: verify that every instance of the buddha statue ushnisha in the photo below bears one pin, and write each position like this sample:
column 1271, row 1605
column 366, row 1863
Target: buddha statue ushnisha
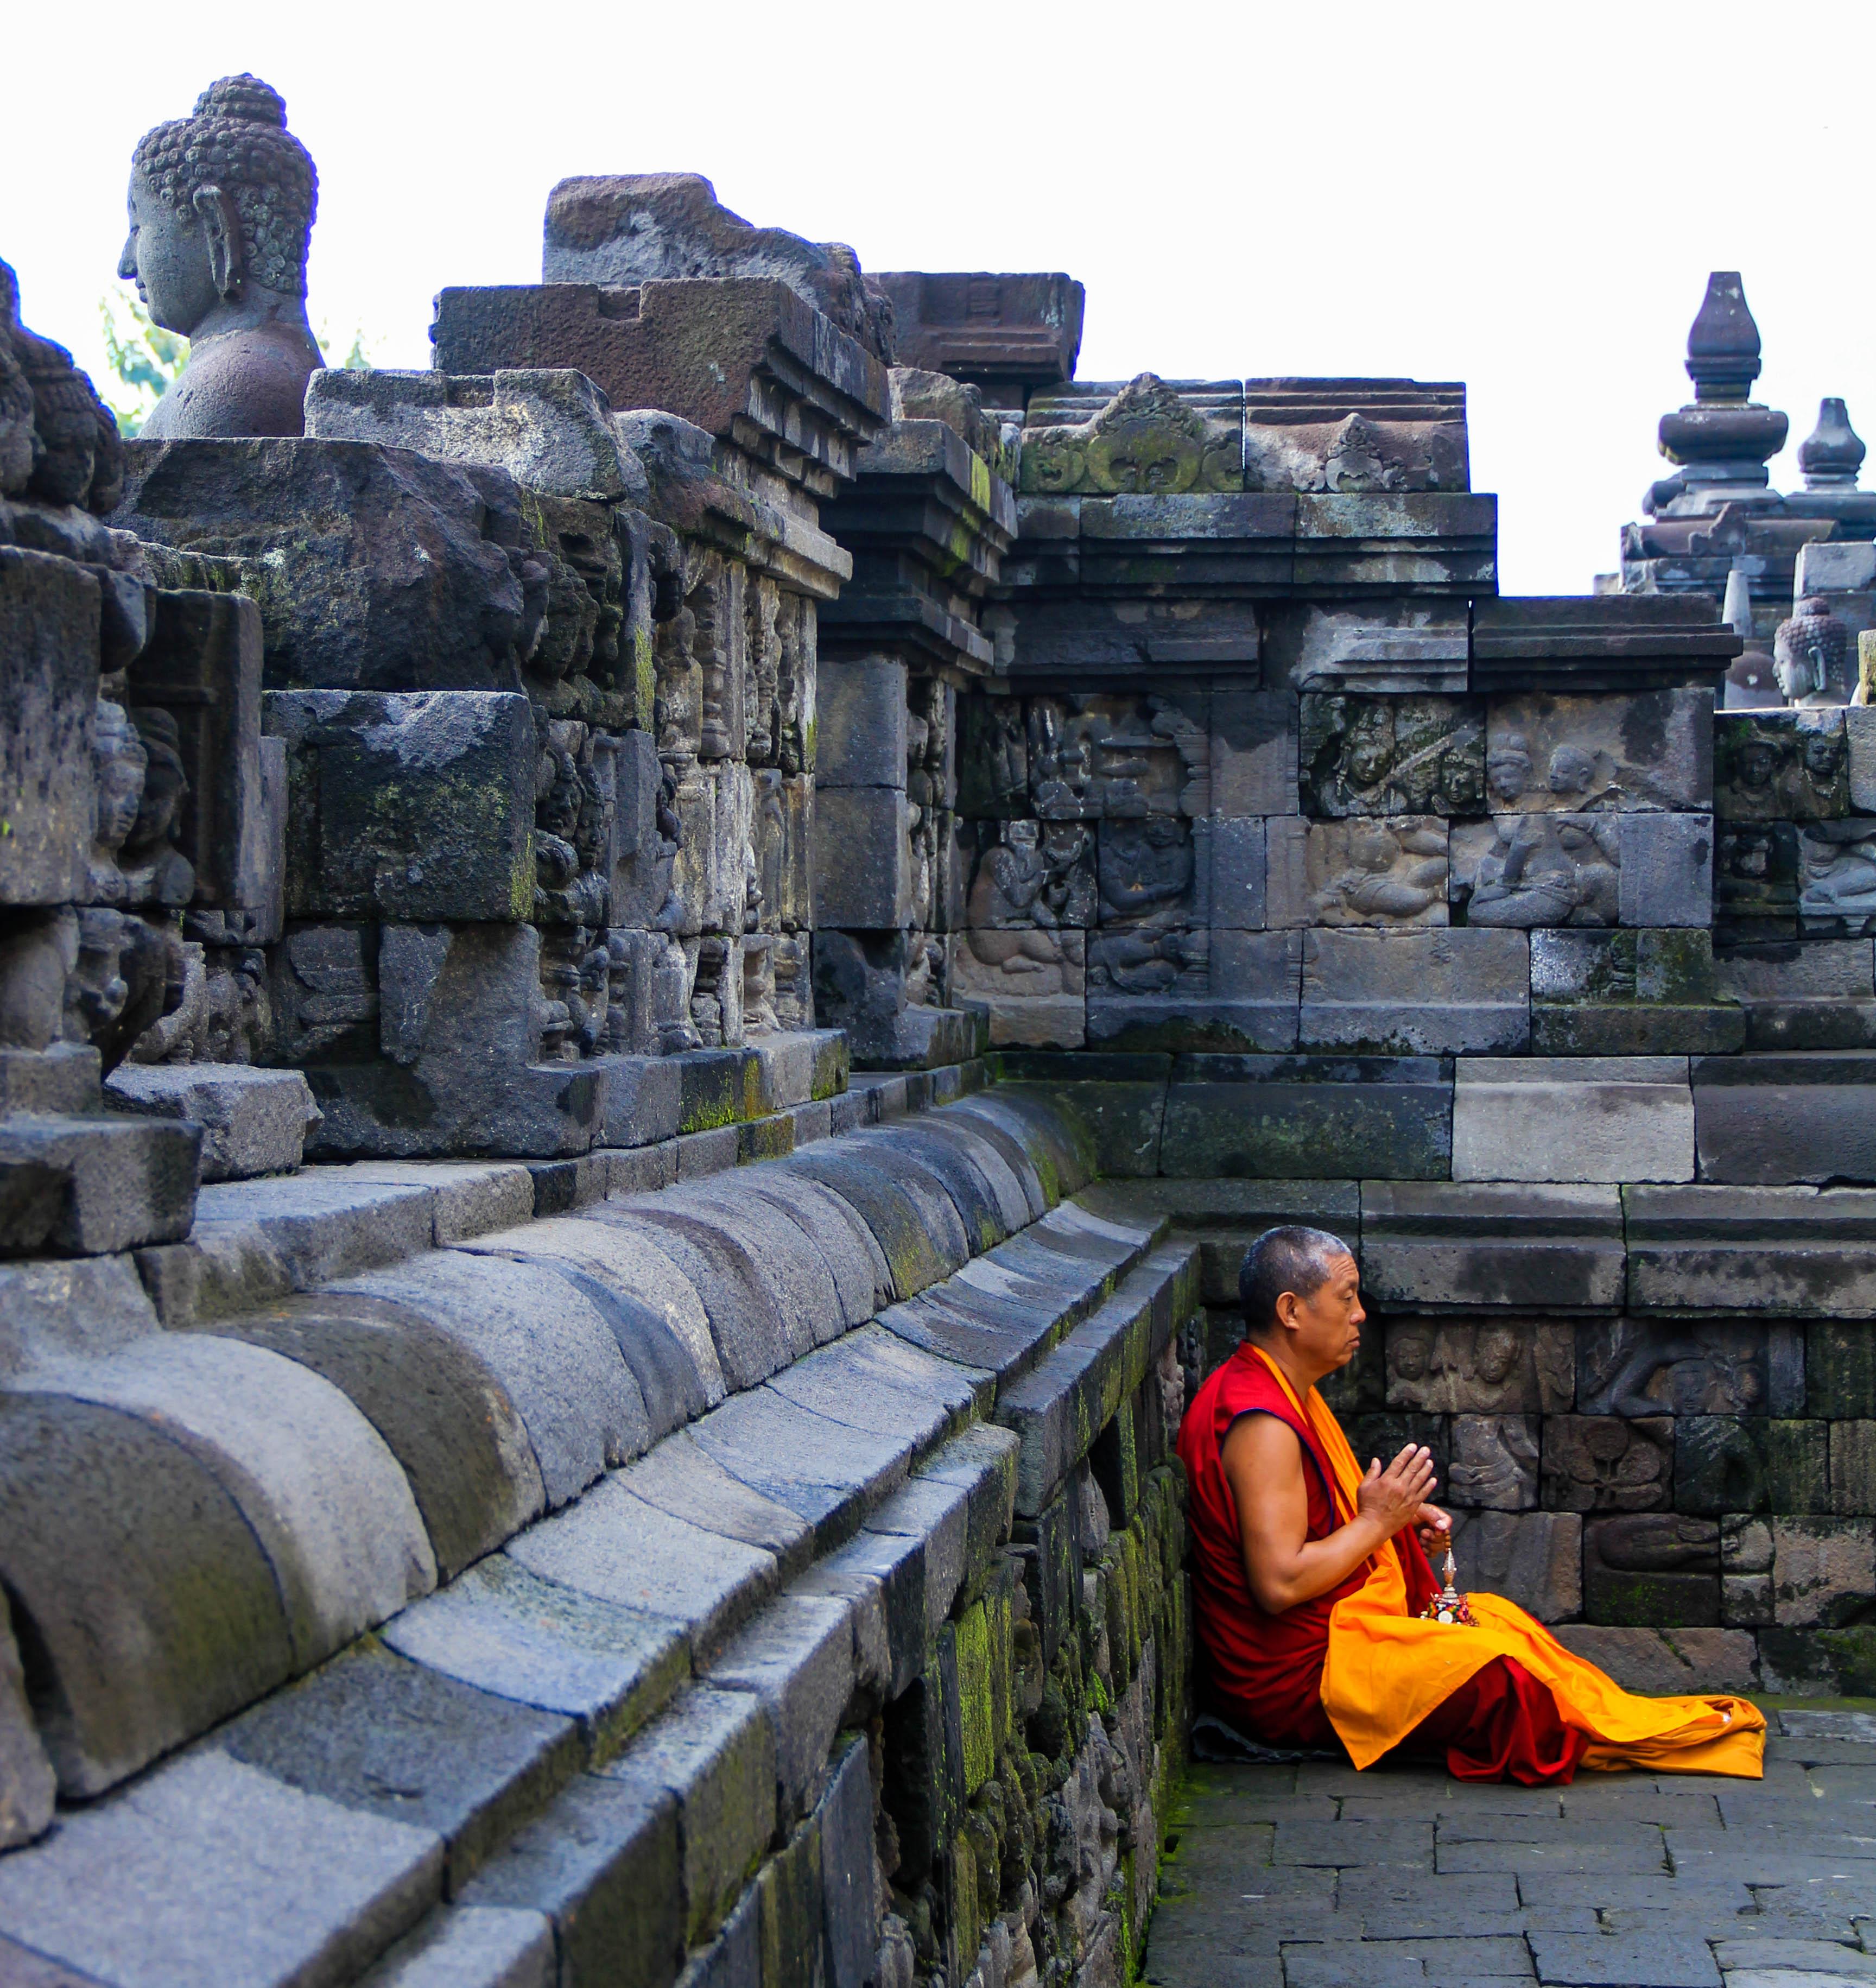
column 221, row 206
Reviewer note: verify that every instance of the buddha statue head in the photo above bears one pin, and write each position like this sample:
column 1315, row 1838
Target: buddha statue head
column 221, row 204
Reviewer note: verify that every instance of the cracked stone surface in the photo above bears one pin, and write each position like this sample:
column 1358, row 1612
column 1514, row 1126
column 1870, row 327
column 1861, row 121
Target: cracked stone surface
column 1310, row 1875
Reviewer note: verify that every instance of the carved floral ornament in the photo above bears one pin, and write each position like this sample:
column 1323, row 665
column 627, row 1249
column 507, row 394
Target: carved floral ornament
column 1147, row 439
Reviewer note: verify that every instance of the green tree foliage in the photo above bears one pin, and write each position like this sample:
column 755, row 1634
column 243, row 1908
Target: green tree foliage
column 143, row 358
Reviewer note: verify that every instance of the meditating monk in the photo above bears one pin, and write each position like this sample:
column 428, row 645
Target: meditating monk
column 1318, row 1612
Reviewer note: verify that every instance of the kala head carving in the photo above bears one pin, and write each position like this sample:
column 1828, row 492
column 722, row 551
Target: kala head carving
column 221, row 206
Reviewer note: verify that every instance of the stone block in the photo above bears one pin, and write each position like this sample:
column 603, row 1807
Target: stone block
column 1304, row 1117
column 683, row 1480
column 1780, row 765
column 468, row 1198
column 1725, row 1465
column 1494, row 1464
column 1651, row 749
column 603, row 1863
column 714, row 1752
column 441, row 1410
column 1388, row 871
column 509, row 1633
column 1238, row 862
column 254, row 1121
column 1608, row 1463
column 383, row 1737
column 1814, row 995
column 1033, row 984
column 208, row 1858
column 551, row 431
column 50, row 611
column 1775, row 1250
column 408, row 807
column 1250, row 1004
column 1417, row 648
column 1853, row 1467
column 797, row 1658
column 549, row 1345
column 1859, row 739
column 1253, row 752
column 1745, row 1557
column 1756, row 882
column 827, row 1472
column 92, row 1186
column 1667, row 869
column 1629, row 993
column 58, row 1307
column 1840, row 1369
column 1780, row 1119
column 862, row 860
column 1823, row 1570
column 617, row 1547
column 1647, row 1569
column 1572, row 1119
column 1392, row 756
column 861, row 713
column 1635, row 1366
column 473, row 1946
column 27, row 1784
column 1532, row 1558
column 156, row 1608
column 399, row 576
column 322, row 1492
column 1415, row 994
column 201, row 666
column 1554, row 1246
column 1506, row 1366
column 1678, row 1662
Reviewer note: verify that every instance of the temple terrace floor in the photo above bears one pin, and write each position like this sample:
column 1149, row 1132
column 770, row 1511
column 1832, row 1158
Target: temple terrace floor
column 1310, row 1875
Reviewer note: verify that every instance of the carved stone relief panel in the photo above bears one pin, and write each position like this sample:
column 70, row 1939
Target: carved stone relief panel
column 1756, row 875
column 1360, row 871
column 1092, row 757
column 1780, row 765
column 1494, row 1466
column 993, row 760
column 1836, row 879
column 1034, row 873
column 1604, row 1463
column 1520, row 871
column 1392, row 756
column 1710, row 1366
column 1147, row 438
column 1033, row 982
column 1579, row 755
column 1506, row 1366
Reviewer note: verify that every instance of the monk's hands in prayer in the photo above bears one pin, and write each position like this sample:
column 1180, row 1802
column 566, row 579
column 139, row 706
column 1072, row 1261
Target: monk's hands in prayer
column 1393, row 1498
column 1263, row 1464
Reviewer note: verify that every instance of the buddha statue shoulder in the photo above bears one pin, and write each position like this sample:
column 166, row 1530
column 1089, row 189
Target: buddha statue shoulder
column 222, row 206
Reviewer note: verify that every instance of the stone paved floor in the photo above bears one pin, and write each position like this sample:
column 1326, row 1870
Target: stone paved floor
column 1314, row 1876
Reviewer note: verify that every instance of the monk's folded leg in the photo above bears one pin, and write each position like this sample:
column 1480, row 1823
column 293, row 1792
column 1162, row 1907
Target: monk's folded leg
column 1501, row 1725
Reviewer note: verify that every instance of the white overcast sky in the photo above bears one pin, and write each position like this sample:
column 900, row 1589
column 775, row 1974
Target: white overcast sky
column 1526, row 195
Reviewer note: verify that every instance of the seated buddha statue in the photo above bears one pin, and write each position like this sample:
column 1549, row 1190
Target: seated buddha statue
column 222, row 206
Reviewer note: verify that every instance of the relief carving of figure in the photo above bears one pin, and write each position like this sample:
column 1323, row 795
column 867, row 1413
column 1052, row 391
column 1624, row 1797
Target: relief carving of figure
column 1370, row 871
column 1837, row 877
column 221, row 204
column 1547, row 870
column 1145, row 869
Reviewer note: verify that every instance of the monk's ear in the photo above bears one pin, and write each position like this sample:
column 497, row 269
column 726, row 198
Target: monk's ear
column 1288, row 1305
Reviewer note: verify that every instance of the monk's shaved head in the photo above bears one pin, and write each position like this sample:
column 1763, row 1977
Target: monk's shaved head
column 1293, row 1259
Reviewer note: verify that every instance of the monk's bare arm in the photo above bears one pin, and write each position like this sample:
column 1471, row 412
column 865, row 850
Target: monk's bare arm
column 1263, row 1461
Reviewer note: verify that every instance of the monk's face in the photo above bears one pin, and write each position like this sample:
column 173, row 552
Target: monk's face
column 1324, row 1330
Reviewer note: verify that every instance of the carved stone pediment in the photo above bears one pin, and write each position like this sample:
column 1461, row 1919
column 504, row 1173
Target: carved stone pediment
column 1147, row 438
column 1355, row 454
